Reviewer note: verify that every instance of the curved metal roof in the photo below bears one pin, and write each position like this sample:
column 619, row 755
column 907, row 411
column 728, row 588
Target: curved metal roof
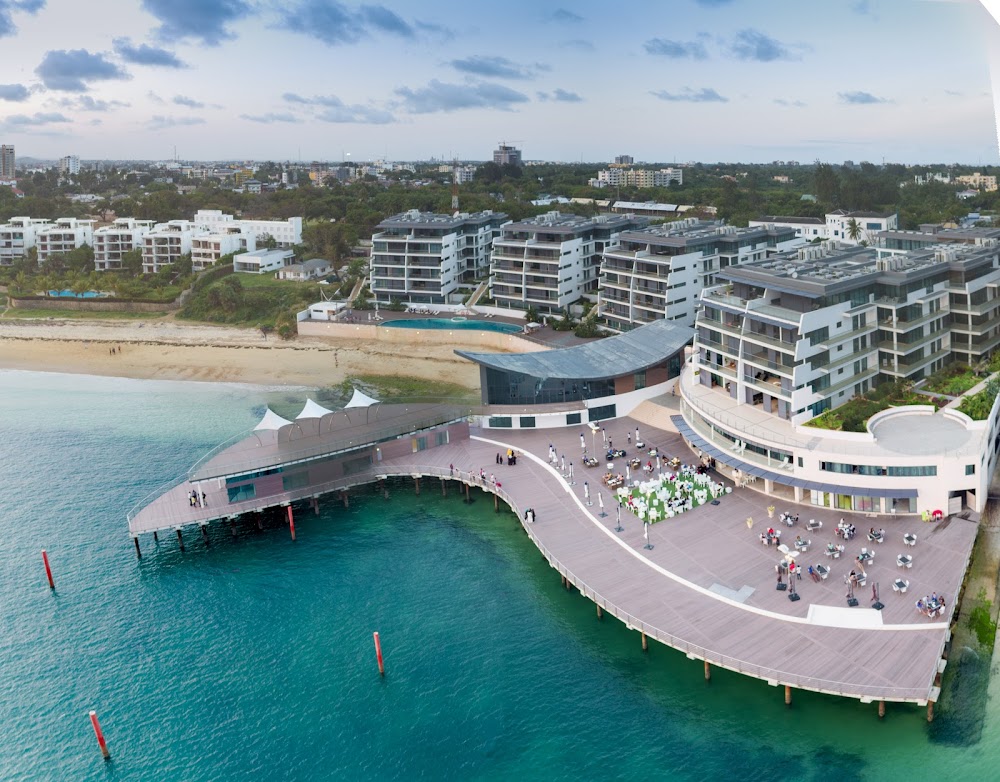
column 601, row 359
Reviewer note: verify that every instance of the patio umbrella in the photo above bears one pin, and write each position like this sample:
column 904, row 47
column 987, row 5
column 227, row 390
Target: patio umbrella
column 600, row 501
column 586, row 493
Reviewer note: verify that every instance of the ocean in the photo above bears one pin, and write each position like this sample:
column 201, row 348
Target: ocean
column 251, row 658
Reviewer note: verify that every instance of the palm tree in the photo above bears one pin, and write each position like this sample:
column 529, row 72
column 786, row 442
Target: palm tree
column 853, row 229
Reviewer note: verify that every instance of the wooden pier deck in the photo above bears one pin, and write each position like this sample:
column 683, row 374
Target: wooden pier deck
column 707, row 587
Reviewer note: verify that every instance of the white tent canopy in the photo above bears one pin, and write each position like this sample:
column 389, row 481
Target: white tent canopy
column 313, row 410
column 272, row 421
column 361, row 400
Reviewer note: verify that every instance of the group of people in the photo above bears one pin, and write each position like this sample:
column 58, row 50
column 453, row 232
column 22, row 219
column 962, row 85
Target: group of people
column 115, row 350
column 771, row 537
column 845, row 530
column 931, row 604
column 510, row 456
column 196, row 500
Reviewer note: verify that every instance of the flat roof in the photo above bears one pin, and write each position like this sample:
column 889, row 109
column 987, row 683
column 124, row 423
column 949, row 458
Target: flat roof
column 601, row 359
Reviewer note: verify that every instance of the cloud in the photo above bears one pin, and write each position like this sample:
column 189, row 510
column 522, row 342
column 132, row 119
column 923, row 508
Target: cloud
column 87, row 103
column 334, row 23
column 860, row 98
column 270, row 118
column 7, row 7
column 70, row 71
column 496, row 67
column 36, row 120
column 563, row 15
column 793, row 104
column 560, row 95
column 333, row 109
column 202, row 20
column 191, row 103
column 752, row 44
column 579, row 43
column 160, row 122
column 14, row 92
column 688, row 95
column 155, row 98
column 676, row 49
column 144, row 54
column 436, row 31
column 441, row 96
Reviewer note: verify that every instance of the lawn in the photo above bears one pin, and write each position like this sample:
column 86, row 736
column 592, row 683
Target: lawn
column 953, row 380
column 852, row 416
column 394, row 388
column 665, row 497
column 25, row 314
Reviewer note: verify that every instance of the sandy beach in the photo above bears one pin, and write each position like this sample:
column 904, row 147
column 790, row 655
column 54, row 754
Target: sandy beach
column 168, row 350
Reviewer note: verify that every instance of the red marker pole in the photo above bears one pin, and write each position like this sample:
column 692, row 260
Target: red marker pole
column 291, row 522
column 100, row 736
column 378, row 654
column 48, row 570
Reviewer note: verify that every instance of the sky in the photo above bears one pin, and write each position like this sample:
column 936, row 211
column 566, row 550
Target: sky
column 904, row 81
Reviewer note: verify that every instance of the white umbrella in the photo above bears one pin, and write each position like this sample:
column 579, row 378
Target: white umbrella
column 645, row 529
column 583, row 443
column 600, row 501
column 628, row 474
column 586, row 493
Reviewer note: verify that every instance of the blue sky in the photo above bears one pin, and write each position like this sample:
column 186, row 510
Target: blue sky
column 663, row 80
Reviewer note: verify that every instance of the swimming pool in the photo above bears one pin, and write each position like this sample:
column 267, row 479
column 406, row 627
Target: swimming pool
column 68, row 294
column 452, row 324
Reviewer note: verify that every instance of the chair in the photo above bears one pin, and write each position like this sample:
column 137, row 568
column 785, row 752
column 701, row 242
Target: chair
column 823, row 571
column 900, row 585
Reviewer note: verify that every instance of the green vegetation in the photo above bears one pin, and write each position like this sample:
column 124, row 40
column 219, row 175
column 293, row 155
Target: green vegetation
column 981, row 620
column 24, row 314
column 251, row 300
column 978, row 406
column 852, row 416
column 388, row 388
column 953, row 380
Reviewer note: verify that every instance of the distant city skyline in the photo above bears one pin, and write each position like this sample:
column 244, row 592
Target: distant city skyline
column 750, row 81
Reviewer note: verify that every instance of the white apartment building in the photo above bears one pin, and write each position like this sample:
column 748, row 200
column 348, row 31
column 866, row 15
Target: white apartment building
column 62, row 236
column 853, row 228
column 287, row 233
column 208, row 248
column 69, row 165
column 421, row 257
column 550, row 261
column 659, row 272
column 17, row 236
column 165, row 243
column 638, row 177
column 262, row 261
column 111, row 242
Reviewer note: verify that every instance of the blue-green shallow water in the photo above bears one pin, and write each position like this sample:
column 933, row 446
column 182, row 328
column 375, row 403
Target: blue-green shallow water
column 253, row 659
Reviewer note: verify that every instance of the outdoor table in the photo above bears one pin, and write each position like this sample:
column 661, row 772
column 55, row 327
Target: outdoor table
column 909, row 539
column 813, row 524
column 904, row 560
column 900, row 585
column 823, row 571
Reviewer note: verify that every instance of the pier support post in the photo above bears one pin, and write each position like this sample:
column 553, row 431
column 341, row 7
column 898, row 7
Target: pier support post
column 416, row 483
column 316, row 505
column 260, row 520
column 100, row 735
column 378, row 655
column 930, row 711
column 444, row 488
column 708, row 671
column 138, row 551
column 496, row 502
column 232, row 526
column 881, row 710
column 467, row 498
column 291, row 522
column 156, row 538
column 48, row 570
column 204, row 532
column 180, row 539
column 645, row 643
column 788, row 695
column 347, row 503
column 600, row 613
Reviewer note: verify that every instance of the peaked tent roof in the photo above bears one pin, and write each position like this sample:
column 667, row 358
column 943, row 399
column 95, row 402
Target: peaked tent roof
column 361, row 399
column 271, row 420
column 312, row 410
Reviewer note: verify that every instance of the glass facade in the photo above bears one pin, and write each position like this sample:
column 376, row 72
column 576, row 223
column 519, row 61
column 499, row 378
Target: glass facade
column 516, row 388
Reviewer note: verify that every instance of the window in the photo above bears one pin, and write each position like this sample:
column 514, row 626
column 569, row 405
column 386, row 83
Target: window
column 970, row 469
column 419, row 444
column 500, row 422
column 602, row 412
column 356, row 465
column 640, row 380
column 526, row 422
column 441, row 438
column 297, row 481
column 573, row 418
column 241, row 493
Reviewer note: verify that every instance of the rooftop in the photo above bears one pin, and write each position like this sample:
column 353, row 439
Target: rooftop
column 557, row 222
column 415, row 218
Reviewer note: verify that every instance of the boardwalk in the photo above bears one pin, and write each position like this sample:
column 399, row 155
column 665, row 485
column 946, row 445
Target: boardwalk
column 707, row 587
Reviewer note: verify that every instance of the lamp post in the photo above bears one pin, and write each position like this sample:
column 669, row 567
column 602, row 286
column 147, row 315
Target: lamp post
column 619, row 528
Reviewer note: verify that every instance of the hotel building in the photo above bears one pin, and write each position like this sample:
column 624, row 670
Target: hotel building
column 422, row 257
column 166, row 243
column 62, row 236
column 111, row 242
column 550, row 261
column 17, row 236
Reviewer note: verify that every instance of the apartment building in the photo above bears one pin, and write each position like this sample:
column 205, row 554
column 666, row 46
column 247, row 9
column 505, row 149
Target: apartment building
column 62, row 236
column 505, row 154
column 638, row 177
column 165, row 243
column 69, row 165
column 287, row 233
column 208, row 248
column 930, row 234
column 659, row 272
column 111, row 242
column 17, row 236
column 7, row 161
column 978, row 181
column 853, row 228
column 422, row 257
column 262, row 261
column 550, row 261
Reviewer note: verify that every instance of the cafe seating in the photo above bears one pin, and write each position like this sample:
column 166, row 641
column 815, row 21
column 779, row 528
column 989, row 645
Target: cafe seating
column 904, row 560
column 900, row 585
column 909, row 539
column 814, row 524
column 823, row 571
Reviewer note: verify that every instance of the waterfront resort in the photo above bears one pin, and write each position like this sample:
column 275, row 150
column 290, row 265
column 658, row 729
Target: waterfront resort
column 703, row 516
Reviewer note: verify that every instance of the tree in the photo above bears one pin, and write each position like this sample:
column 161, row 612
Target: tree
column 132, row 262
column 827, row 184
column 853, row 230
column 266, row 242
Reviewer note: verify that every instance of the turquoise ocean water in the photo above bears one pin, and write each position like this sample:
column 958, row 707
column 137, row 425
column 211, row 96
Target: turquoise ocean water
column 252, row 659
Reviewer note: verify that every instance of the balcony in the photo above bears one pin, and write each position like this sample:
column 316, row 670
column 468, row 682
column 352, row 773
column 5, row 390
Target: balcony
column 753, row 336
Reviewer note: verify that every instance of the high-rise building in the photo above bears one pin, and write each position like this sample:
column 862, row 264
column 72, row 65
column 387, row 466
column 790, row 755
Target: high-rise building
column 7, row 161
column 624, row 160
column 506, row 154
column 69, row 165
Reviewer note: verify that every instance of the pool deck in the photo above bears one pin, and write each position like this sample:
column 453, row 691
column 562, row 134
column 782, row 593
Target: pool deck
column 707, row 585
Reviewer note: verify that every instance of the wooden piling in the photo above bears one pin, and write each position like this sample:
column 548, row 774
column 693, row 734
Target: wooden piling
column 156, row 538
column 180, row 539
column 260, row 520
column 316, row 505
column 708, row 671
column 600, row 613
column 138, row 551
column 930, row 711
column 881, row 710
column 788, row 695
column 100, row 735
column 645, row 643
column 48, row 570
column 378, row 655
column 347, row 503
column 467, row 498
column 204, row 532
column 444, row 488
column 291, row 522
column 232, row 526
column 416, row 483
column 496, row 502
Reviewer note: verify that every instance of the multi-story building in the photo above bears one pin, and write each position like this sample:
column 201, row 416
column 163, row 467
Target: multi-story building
column 421, row 257
column 111, row 242
column 505, row 154
column 17, row 237
column 853, row 228
column 166, row 243
column 624, row 160
column 7, row 161
column 261, row 261
column 550, row 261
column 62, row 236
column 930, row 234
column 978, row 181
column 69, row 165
column 287, row 233
column 659, row 272
column 640, row 177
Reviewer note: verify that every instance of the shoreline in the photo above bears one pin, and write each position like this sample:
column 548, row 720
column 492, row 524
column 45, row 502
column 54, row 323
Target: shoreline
column 166, row 350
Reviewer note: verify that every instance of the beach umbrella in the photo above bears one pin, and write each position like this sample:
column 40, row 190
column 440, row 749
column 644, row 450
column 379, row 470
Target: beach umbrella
column 645, row 529
column 586, row 493
column 564, row 463
column 628, row 474
column 583, row 442
column 619, row 528
column 600, row 501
